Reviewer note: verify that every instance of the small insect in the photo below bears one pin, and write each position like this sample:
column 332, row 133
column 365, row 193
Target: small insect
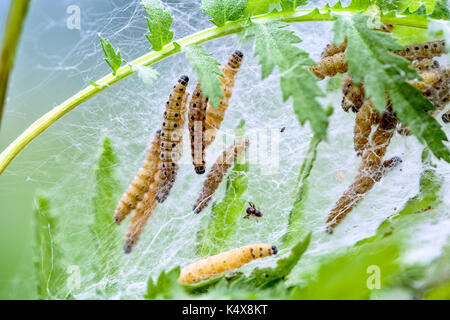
column 330, row 66
column 214, row 117
column 224, row 262
column 171, row 138
column 140, row 184
column 252, row 211
column 425, row 50
column 144, row 211
column 353, row 95
column 282, row 129
column 197, row 127
column 217, row 172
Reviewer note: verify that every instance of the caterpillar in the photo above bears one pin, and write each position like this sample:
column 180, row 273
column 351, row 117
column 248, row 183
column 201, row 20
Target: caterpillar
column 140, row 184
column 171, row 138
column 331, row 49
column 438, row 92
column 214, row 117
column 217, row 172
column 353, row 95
column 370, row 171
column 425, row 50
column 425, row 64
column 140, row 217
column 330, row 66
column 446, row 117
column 197, row 127
column 365, row 118
column 224, row 262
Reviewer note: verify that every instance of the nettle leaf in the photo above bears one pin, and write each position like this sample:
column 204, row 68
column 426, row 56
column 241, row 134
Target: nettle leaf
column 112, row 57
column 441, row 10
column 388, row 4
column 256, row 7
column 207, row 69
column 275, row 47
column 159, row 22
column 369, row 55
column 107, row 191
column 290, row 5
column 222, row 11
column 166, row 287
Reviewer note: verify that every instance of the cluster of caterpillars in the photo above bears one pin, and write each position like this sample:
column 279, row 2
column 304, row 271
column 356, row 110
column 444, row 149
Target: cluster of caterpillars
column 157, row 175
column 369, row 143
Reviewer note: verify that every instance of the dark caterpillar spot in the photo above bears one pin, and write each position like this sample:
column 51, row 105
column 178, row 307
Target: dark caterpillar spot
column 176, row 115
column 198, row 94
column 175, row 125
column 173, row 145
column 192, row 118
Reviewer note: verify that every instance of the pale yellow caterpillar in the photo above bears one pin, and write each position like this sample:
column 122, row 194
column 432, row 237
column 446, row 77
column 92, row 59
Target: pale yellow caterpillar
column 332, row 48
column 426, row 50
column 217, row 172
column 224, row 262
column 214, row 117
column 140, row 217
column 330, row 66
column 197, row 127
column 140, row 184
column 353, row 95
column 171, row 138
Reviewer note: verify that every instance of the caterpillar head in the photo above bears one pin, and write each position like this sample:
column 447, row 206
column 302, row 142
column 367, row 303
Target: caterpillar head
column 184, row 79
column 446, row 117
column 238, row 54
column 200, row 170
column 274, row 250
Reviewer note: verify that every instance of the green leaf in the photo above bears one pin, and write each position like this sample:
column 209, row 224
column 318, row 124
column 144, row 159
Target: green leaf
column 441, row 10
column 291, row 5
column 105, row 232
column 256, row 7
column 388, row 4
column 275, row 47
column 225, row 215
column 112, row 57
column 348, row 275
column 207, row 69
column 408, row 35
column 159, row 22
column 222, row 11
column 370, row 58
column 49, row 271
column 440, row 292
column 166, row 287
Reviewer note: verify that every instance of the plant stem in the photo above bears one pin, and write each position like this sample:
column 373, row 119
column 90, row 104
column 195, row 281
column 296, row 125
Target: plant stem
column 13, row 29
column 197, row 38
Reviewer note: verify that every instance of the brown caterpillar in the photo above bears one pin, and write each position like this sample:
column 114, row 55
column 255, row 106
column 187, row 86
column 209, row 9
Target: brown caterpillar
column 366, row 117
column 330, row 66
column 218, row 171
column 140, row 184
column 214, row 117
column 353, row 95
column 426, row 50
column 370, row 171
column 197, row 127
column 332, row 48
column 438, row 92
column 425, row 64
column 224, row 262
column 140, row 217
column 171, row 138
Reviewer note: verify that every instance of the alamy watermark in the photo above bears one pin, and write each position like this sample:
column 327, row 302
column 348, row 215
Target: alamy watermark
column 74, row 20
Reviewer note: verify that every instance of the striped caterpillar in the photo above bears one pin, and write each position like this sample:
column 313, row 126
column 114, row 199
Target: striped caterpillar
column 197, row 127
column 224, row 262
column 425, row 64
column 426, row 50
column 140, row 217
column 365, row 118
column 438, row 92
column 370, row 171
column 140, row 184
column 218, row 171
column 171, row 138
column 353, row 95
column 214, row 117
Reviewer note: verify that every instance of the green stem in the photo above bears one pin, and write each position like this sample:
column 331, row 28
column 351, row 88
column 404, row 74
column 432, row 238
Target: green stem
column 16, row 17
column 197, row 38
